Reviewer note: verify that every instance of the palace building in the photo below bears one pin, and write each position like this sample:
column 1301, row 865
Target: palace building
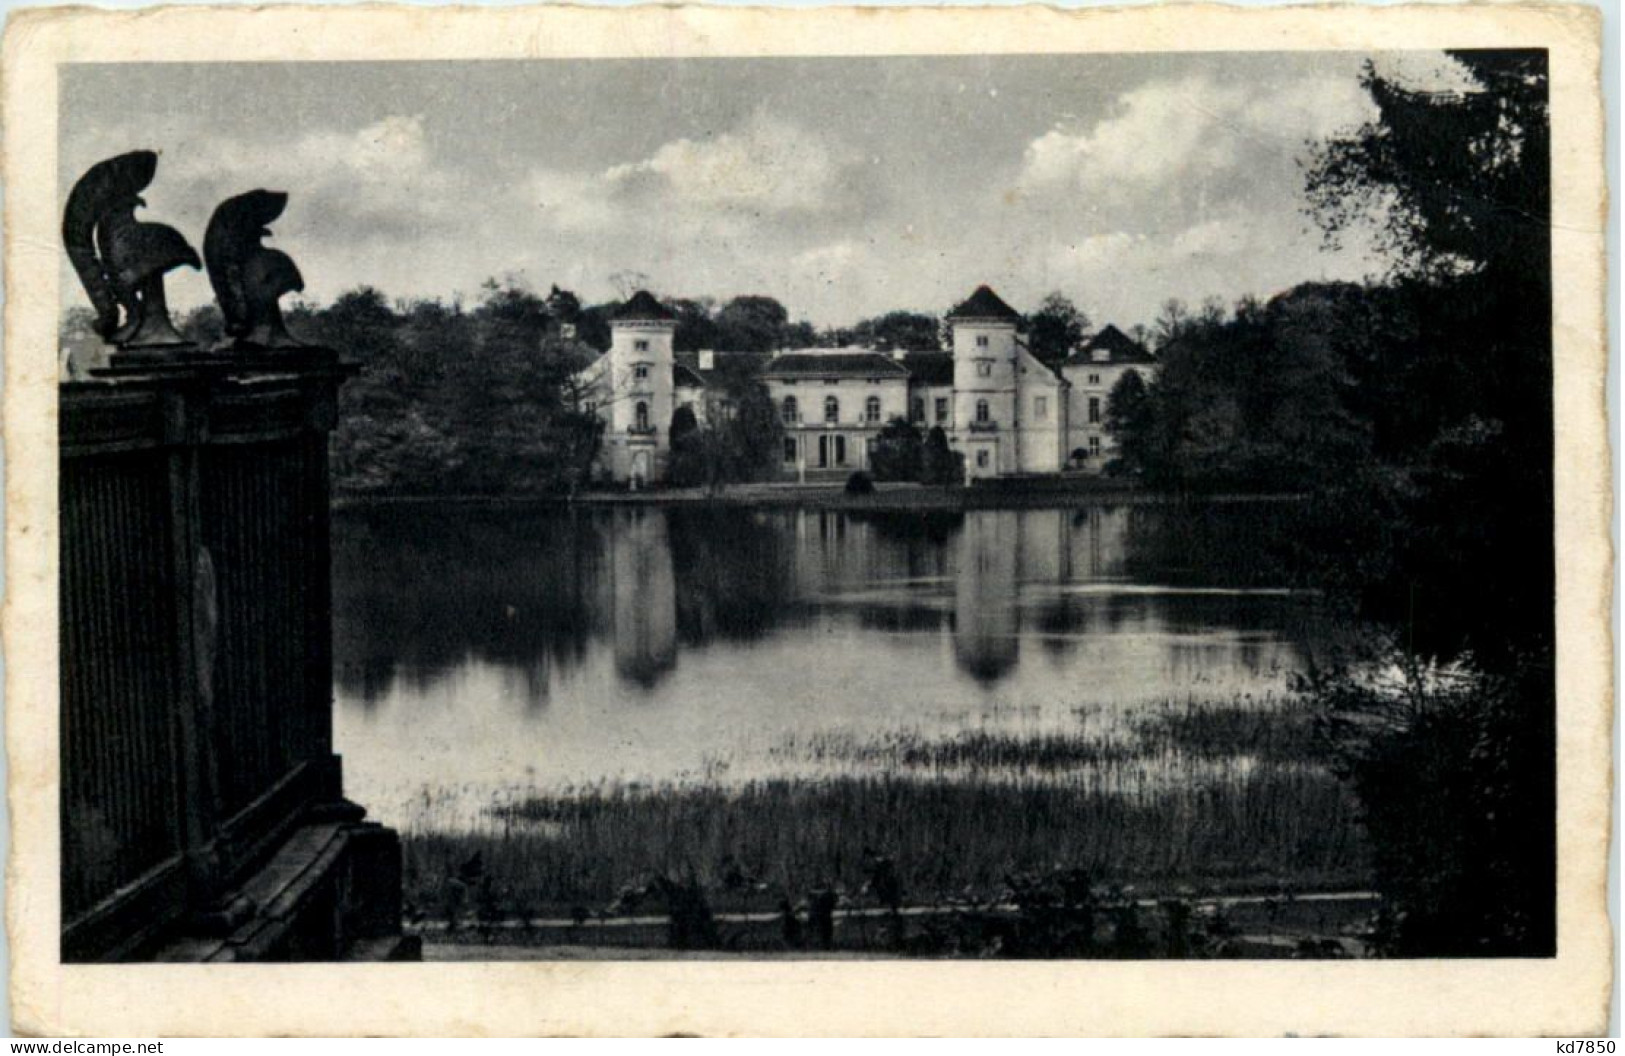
column 1005, row 410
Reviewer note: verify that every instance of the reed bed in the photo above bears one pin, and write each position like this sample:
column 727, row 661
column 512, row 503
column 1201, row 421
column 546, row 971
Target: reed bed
column 1224, row 797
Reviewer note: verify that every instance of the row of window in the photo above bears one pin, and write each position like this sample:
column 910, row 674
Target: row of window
column 790, row 409
column 831, row 451
column 984, row 369
column 916, row 410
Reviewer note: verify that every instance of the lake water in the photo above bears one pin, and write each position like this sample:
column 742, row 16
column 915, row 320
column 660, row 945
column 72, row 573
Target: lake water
column 484, row 655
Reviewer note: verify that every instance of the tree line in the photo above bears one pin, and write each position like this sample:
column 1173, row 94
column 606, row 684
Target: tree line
column 456, row 399
column 1415, row 412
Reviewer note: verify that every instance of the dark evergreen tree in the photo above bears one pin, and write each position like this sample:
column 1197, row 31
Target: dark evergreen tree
column 899, row 452
column 1055, row 329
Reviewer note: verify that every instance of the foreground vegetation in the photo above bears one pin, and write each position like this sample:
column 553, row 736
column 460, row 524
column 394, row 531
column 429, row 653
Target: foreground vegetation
column 1191, row 798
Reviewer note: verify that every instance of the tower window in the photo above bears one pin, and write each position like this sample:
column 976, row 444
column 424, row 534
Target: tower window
column 981, row 458
column 984, row 368
column 1094, row 445
column 981, row 411
column 640, row 345
column 832, row 409
column 981, row 340
column 642, row 415
column 1094, row 409
column 871, row 409
column 1040, row 407
column 641, row 371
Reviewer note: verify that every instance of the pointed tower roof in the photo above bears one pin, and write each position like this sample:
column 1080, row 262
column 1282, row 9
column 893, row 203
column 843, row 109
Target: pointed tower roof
column 642, row 307
column 985, row 304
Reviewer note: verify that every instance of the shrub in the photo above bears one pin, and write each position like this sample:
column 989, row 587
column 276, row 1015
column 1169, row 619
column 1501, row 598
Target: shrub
column 1453, row 767
column 899, row 452
column 940, row 464
column 860, row 483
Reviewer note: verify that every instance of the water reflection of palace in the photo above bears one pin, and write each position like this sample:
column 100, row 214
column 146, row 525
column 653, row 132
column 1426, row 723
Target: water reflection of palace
column 1085, row 589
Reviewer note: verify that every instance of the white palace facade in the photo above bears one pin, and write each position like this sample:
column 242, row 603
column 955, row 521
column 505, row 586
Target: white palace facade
column 1006, row 411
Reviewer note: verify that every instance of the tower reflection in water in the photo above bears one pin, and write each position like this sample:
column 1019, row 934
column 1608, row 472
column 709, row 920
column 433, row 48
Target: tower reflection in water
column 990, row 567
column 987, row 615
column 645, row 597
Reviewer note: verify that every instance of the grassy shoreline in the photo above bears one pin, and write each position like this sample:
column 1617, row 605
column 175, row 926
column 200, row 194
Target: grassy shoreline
column 831, row 496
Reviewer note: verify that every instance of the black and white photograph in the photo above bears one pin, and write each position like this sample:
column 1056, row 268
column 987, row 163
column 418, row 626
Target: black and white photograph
column 1051, row 506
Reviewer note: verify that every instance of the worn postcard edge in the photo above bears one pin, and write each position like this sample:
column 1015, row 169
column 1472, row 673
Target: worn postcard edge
column 1567, row 994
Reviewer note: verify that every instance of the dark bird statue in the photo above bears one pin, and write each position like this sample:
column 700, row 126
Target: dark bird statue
column 120, row 260
column 248, row 277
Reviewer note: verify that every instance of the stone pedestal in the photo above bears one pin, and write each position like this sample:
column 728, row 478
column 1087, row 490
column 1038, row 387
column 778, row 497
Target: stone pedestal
column 202, row 804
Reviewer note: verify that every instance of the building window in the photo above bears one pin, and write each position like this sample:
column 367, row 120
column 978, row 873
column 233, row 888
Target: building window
column 942, row 409
column 916, row 409
column 1094, row 379
column 981, row 340
column 1094, row 445
column 871, row 409
column 640, row 346
column 1094, row 410
column 981, row 411
column 832, row 381
column 981, row 458
column 984, row 368
column 832, row 409
column 1040, row 407
column 840, row 450
column 641, row 372
column 642, row 415
column 789, row 449
column 790, row 411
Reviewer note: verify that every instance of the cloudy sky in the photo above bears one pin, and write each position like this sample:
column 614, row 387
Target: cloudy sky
column 844, row 187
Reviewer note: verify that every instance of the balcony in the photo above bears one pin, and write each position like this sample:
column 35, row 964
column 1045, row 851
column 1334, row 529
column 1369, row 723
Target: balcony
column 640, row 430
column 984, row 427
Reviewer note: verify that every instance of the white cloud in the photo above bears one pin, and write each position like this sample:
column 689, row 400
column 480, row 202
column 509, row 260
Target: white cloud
column 570, row 201
column 1186, row 187
column 765, row 164
column 1231, row 235
column 1169, row 131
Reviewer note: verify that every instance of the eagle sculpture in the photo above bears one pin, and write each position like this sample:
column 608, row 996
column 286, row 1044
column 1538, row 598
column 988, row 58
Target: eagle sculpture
column 120, row 260
column 247, row 276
